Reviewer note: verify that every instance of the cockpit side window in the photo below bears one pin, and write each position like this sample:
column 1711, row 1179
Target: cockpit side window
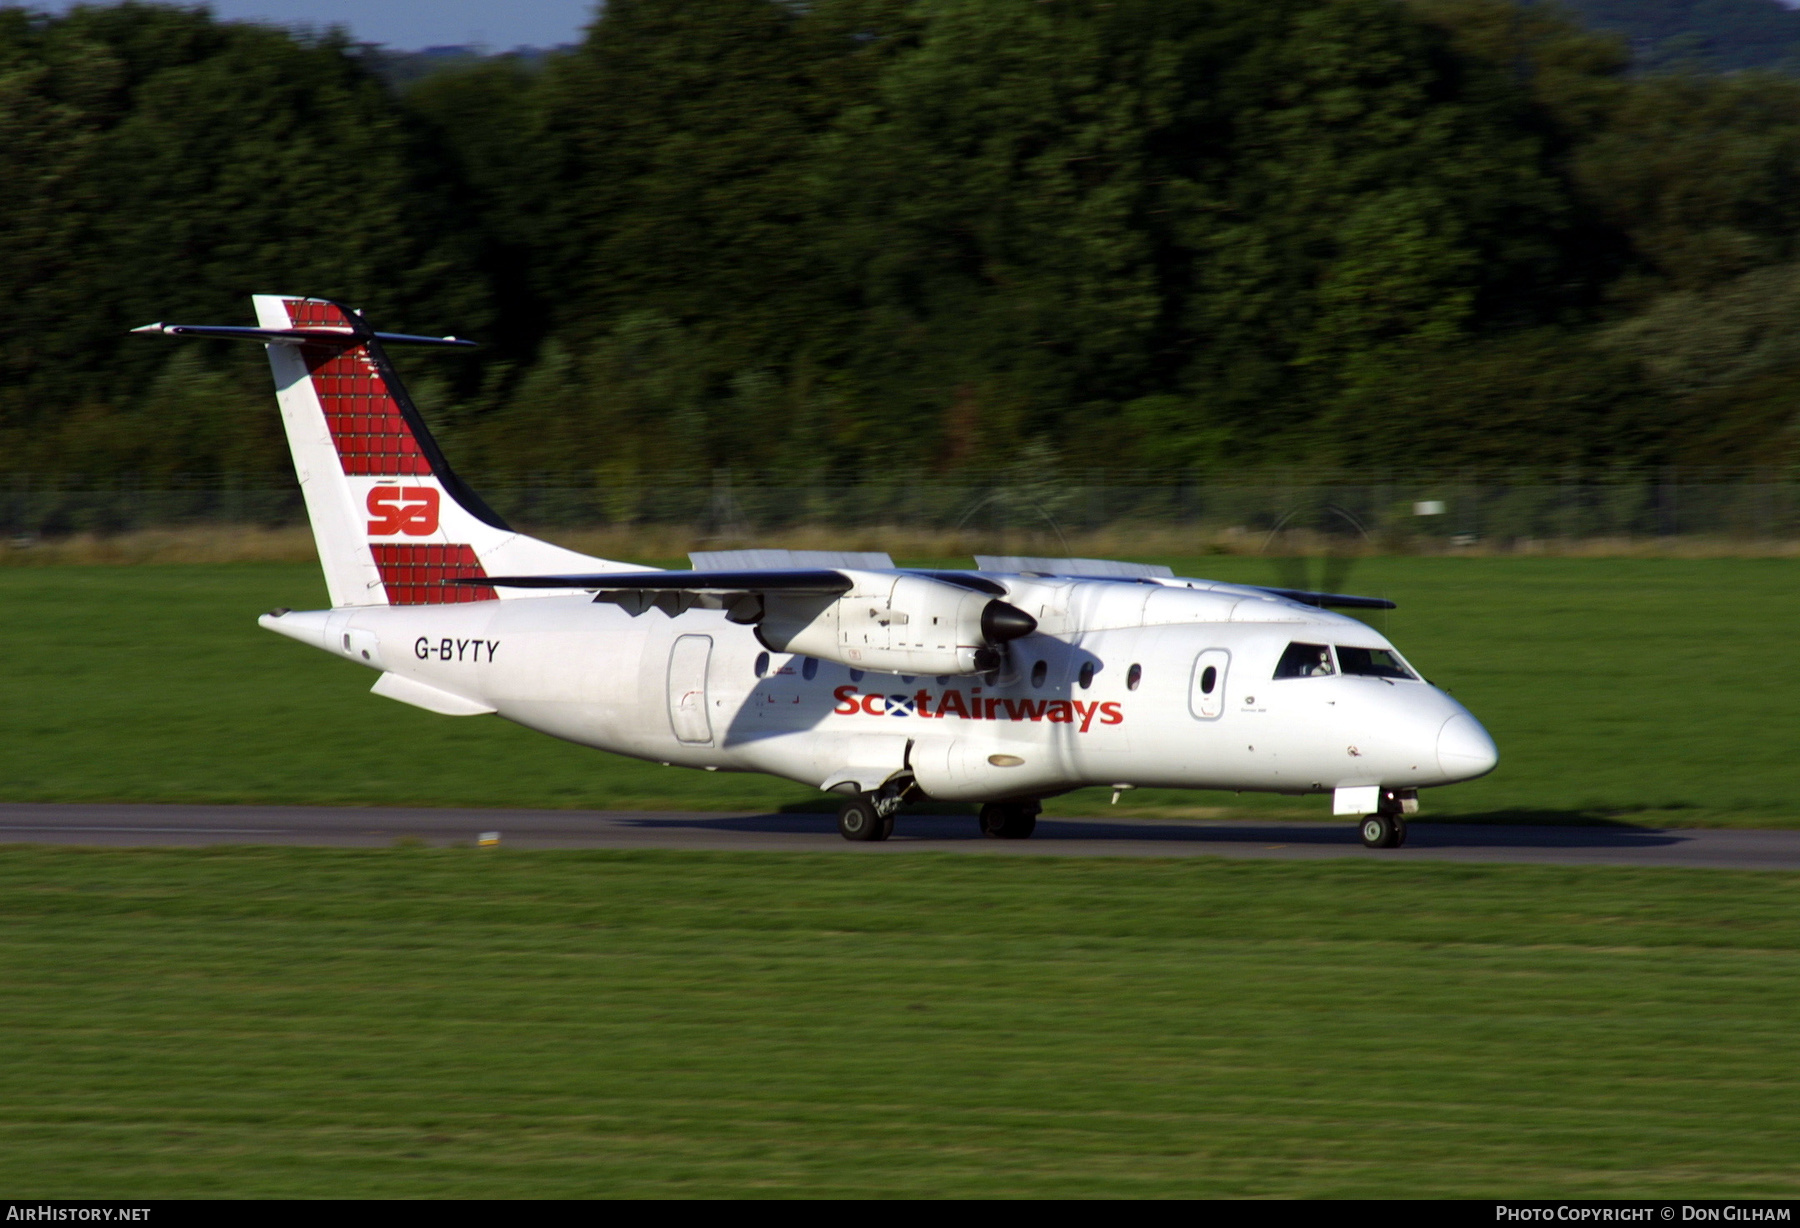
column 1305, row 661
column 1373, row 663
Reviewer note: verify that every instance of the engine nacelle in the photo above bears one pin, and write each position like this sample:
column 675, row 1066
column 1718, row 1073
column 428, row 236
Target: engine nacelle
column 981, row 770
column 894, row 624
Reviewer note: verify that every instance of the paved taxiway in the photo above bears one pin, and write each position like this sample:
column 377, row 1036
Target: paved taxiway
column 192, row 826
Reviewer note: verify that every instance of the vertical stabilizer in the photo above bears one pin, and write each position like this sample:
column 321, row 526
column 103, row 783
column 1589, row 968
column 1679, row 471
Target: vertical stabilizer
column 332, row 505
column 391, row 519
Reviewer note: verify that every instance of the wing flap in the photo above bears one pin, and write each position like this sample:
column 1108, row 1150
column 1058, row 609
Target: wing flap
column 1081, row 569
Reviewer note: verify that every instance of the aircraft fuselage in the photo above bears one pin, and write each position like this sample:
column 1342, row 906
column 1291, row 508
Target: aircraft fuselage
column 1145, row 684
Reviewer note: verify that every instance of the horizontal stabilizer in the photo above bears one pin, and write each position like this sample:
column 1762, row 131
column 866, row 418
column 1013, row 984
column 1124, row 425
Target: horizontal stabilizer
column 296, row 336
column 1018, row 564
column 833, row 582
column 1342, row 601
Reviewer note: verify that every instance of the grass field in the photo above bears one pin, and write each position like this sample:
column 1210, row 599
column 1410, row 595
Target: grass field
column 464, row 1022
column 1664, row 691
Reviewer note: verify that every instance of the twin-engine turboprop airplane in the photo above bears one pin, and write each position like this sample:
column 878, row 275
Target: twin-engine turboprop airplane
column 1014, row 681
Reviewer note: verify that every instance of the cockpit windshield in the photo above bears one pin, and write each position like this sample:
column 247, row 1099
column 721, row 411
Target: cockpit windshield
column 1305, row 661
column 1372, row 663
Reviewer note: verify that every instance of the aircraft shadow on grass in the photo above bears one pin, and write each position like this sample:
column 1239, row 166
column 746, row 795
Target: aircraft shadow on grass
column 1423, row 834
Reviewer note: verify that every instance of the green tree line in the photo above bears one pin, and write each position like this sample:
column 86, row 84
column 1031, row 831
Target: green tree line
column 1135, row 238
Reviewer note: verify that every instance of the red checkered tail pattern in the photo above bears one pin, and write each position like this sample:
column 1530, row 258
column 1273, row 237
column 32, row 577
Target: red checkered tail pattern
column 393, row 523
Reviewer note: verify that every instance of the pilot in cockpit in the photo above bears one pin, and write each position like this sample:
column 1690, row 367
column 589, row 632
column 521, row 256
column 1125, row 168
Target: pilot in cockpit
column 1305, row 661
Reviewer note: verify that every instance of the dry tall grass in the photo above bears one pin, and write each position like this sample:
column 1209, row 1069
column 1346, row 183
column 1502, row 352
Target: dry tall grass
column 245, row 544
column 197, row 544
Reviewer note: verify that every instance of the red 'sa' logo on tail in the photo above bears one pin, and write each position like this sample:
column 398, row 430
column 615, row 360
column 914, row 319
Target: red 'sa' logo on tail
column 412, row 510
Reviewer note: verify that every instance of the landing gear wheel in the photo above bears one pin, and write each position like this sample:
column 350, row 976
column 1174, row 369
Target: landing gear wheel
column 1382, row 831
column 859, row 820
column 1399, row 831
column 1008, row 820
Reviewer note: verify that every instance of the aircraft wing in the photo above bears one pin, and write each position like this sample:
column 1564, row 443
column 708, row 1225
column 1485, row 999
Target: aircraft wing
column 1342, row 601
column 785, row 581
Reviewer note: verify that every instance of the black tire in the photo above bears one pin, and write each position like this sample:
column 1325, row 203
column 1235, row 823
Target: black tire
column 1377, row 831
column 857, row 819
column 1399, row 832
column 1008, row 821
column 887, row 828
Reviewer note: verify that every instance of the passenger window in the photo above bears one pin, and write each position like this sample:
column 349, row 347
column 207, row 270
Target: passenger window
column 1133, row 676
column 1304, row 661
column 1039, row 672
column 810, row 670
column 1209, row 678
column 1373, row 663
column 762, row 664
column 1086, row 678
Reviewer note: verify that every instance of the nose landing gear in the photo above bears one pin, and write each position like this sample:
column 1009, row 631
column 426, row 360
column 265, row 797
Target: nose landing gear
column 1383, row 831
column 1386, row 828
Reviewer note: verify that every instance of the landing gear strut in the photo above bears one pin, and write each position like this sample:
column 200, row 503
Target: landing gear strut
column 1009, row 820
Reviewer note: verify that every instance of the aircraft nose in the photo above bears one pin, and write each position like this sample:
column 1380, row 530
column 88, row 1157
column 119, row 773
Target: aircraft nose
column 1464, row 749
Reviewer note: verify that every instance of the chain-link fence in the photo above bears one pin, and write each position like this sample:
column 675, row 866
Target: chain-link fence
column 1450, row 510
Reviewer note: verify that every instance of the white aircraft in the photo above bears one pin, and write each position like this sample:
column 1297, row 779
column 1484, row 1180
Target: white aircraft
column 1017, row 680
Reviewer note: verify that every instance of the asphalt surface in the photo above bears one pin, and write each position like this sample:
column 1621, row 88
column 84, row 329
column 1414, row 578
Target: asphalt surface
column 123, row 826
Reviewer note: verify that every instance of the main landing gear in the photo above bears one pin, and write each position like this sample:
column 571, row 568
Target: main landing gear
column 1009, row 820
column 870, row 816
column 863, row 816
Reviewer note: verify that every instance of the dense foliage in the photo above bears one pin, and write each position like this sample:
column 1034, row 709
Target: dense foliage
column 1141, row 237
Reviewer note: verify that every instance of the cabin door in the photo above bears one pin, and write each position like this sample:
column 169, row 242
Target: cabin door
column 687, row 688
